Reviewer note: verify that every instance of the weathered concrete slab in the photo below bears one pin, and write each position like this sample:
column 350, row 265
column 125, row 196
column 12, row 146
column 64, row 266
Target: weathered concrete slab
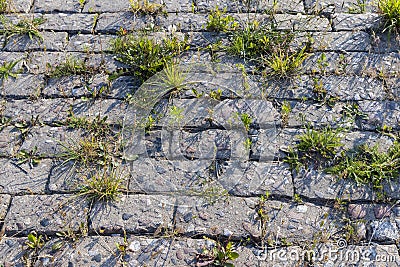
column 24, row 86
column 301, row 23
column 24, row 178
column 46, row 110
column 111, row 23
column 46, row 6
column 90, row 43
column 45, row 213
column 69, row 22
column 52, row 41
column 351, row 22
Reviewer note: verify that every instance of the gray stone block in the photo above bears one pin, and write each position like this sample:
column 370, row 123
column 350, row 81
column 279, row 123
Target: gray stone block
column 52, row 41
column 183, row 22
column 301, row 22
column 110, row 108
column 89, row 43
column 46, row 6
column 106, row 6
column 9, row 141
column 111, row 23
column 134, row 214
column 47, row 110
column 24, row 86
column 22, row 178
column 44, row 62
column 46, row 213
column 342, row 41
column 69, row 22
column 351, row 22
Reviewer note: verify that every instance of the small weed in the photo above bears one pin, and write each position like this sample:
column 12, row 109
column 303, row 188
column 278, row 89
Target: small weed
column 262, row 215
column 351, row 113
column 6, row 70
column 322, row 63
column 102, row 186
column 219, row 255
column 70, row 236
column 390, row 10
column 297, row 199
column 82, row 3
column 218, row 21
column 173, row 78
column 282, row 63
column 97, row 127
column 246, row 120
column 247, row 143
column 146, row 7
column 144, row 55
column 216, row 95
column 285, row 111
column 321, row 94
column 71, row 66
column 366, row 165
column 23, row 27
column 35, row 241
column 196, row 93
column 176, row 114
column 30, row 157
column 358, row 8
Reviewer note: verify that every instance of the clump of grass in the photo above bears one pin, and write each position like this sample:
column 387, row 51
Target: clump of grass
column 28, row 27
column 366, row 165
column 282, row 63
column 102, row 186
column 390, row 10
column 256, row 41
column 314, row 146
column 4, row 6
column 144, row 55
column 218, row 21
column 97, row 127
column 6, row 70
column 71, row 66
column 146, row 7
column 219, row 255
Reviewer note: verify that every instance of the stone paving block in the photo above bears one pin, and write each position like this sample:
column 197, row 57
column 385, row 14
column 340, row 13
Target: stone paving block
column 24, row 86
column 256, row 6
column 134, row 214
column 52, row 41
column 90, row 43
column 106, row 6
column 110, row 108
column 9, row 141
column 297, row 222
column 124, row 85
column 380, row 114
column 157, row 176
column 183, row 22
column 68, row 86
column 301, row 23
column 314, row 184
column 22, row 178
column 303, row 113
column 44, row 62
column 69, row 22
column 49, row 141
column 342, row 41
column 4, row 203
column 47, row 110
column 21, row 6
column 111, row 22
column 46, row 213
column 342, row 6
column 351, row 22
column 384, row 230
column 108, row 62
column 223, row 218
column 256, row 178
column 46, row 6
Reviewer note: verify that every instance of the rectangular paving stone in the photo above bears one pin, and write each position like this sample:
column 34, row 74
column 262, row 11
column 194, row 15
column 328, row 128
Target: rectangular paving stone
column 254, row 178
column 21, row 6
column 134, row 214
column 111, row 22
column 52, row 41
column 351, row 22
column 106, row 6
column 314, row 184
column 342, row 41
column 49, row 141
column 341, row 6
column 90, row 43
column 380, row 114
column 301, row 22
column 256, row 6
column 106, row 62
column 110, row 108
column 44, row 62
column 47, row 110
column 9, row 140
column 183, row 22
column 45, row 213
column 46, row 6
column 22, row 178
column 69, row 22
column 24, row 86
column 124, row 85
column 157, row 176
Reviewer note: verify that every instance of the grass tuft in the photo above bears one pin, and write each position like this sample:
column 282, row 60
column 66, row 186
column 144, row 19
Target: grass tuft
column 390, row 10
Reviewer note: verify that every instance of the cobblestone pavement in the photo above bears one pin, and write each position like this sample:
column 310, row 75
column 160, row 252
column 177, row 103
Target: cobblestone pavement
column 199, row 179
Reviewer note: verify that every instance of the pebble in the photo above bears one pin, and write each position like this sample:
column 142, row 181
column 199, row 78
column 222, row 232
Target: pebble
column 134, row 246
